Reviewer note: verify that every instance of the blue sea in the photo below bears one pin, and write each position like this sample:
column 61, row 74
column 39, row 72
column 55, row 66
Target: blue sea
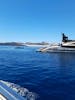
column 50, row 75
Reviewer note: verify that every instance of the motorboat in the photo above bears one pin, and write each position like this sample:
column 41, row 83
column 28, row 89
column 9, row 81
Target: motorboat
column 19, row 47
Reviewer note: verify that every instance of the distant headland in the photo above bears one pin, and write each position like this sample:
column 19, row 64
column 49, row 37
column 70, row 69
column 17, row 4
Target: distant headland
column 22, row 43
column 11, row 44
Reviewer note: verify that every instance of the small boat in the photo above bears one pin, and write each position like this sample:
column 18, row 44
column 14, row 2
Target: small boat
column 11, row 91
column 19, row 47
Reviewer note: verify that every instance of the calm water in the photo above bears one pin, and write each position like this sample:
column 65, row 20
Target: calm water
column 50, row 75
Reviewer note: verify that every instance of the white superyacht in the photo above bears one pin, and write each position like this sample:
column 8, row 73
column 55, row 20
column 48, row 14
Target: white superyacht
column 66, row 45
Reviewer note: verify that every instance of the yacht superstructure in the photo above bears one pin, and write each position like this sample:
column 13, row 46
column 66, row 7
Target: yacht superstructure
column 66, row 42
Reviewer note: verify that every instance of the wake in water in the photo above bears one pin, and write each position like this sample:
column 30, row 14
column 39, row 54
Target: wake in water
column 22, row 91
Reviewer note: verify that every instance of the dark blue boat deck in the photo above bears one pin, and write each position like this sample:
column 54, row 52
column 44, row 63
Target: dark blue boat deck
column 8, row 93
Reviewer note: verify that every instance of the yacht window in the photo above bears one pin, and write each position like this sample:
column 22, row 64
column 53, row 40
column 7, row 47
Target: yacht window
column 73, row 43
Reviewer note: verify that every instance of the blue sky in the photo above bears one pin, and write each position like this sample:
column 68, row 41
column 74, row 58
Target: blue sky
column 36, row 20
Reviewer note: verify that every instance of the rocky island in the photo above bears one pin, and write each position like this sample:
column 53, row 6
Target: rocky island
column 23, row 44
column 11, row 44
